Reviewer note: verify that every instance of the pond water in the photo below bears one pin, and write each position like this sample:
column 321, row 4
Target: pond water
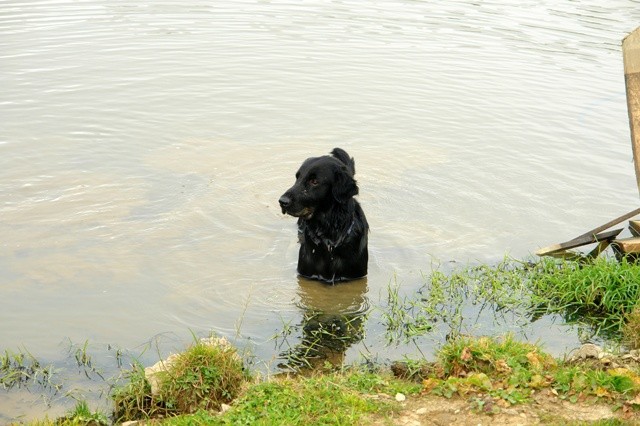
column 144, row 145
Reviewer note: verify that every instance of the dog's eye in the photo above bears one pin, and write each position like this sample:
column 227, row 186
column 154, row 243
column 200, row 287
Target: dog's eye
column 313, row 182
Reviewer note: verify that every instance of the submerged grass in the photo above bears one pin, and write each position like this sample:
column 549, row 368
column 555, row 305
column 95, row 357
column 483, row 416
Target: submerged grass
column 444, row 296
column 23, row 369
column 599, row 296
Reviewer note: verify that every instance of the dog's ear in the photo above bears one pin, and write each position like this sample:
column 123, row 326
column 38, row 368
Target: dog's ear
column 344, row 185
column 343, row 157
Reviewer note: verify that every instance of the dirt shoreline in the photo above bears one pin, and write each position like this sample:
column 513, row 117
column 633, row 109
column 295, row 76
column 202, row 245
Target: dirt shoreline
column 545, row 408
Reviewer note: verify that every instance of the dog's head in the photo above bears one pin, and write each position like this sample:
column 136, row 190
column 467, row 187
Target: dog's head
column 321, row 182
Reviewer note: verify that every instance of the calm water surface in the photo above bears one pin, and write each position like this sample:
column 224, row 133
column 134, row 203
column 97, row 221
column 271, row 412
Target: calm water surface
column 143, row 147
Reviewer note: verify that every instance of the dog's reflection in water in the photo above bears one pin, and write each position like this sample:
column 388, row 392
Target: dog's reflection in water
column 333, row 319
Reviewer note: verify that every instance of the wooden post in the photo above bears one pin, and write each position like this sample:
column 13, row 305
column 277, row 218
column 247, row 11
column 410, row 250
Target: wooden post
column 631, row 58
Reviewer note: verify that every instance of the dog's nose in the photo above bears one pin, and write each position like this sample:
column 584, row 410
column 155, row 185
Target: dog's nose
column 284, row 202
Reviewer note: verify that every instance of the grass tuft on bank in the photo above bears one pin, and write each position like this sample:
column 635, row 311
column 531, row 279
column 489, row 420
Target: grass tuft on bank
column 604, row 292
column 511, row 372
column 205, row 376
column 81, row 415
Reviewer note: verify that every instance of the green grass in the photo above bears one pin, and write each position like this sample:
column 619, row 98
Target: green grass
column 81, row 415
column 133, row 401
column 203, row 377
column 601, row 294
column 312, row 401
column 339, row 398
column 496, row 356
column 631, row 329
column 512, row 371
column 500, row 367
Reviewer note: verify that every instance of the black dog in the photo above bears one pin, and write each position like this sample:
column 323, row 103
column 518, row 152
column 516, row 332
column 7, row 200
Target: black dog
column 332, row 228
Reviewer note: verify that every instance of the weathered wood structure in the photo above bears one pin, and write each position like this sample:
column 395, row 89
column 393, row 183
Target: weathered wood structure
column 596, row 235
column 631, row 59
column 624, row 246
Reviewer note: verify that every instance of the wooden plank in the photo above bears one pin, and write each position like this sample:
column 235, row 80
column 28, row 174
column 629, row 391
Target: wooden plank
column 631, row 59
column 580, row 241
column 628, row 245
column 602, row 246
column 634, row 227
column 576, row 256
column 609, row 224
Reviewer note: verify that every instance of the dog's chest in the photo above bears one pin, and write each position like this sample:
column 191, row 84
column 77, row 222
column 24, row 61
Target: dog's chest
column 321, row 241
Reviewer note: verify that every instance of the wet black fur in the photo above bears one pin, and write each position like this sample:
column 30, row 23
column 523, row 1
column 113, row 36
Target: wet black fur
column 332, row 228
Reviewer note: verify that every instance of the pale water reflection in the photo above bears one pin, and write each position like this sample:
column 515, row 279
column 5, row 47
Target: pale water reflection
column 143, row 148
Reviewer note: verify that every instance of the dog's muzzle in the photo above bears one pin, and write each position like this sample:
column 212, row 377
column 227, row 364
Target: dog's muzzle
column 285, row 202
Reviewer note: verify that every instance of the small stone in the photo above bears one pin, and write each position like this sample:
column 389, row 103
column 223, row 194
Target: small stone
column 151, row 373
column 224, row 408
column 588, row 350
column 605, row 354
column 421, row 411
column 400, row 397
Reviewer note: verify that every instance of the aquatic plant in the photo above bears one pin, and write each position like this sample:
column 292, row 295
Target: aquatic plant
column 22, row 369
column 598, row 297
